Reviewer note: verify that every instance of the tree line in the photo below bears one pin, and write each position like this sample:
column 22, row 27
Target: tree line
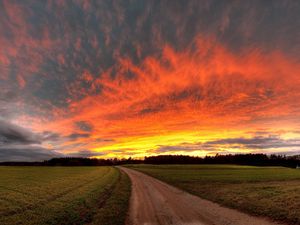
column 239, row 159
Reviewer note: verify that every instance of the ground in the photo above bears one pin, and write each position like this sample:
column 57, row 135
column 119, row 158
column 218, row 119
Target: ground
column 63, row 195
column 264, row 191
column 100, row 195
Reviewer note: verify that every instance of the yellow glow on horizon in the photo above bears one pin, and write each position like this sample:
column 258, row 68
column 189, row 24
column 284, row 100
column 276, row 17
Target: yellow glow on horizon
column 148, row 145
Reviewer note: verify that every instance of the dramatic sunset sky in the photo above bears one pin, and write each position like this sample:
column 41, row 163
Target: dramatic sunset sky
column 121, row 78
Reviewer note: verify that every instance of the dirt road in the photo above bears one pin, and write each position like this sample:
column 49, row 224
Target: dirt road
column 156, row 203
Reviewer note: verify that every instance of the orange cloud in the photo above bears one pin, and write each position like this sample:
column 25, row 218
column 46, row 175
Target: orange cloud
column 203, row 92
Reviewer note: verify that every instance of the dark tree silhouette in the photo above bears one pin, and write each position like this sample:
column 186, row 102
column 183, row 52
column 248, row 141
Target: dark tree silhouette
column 239, row 159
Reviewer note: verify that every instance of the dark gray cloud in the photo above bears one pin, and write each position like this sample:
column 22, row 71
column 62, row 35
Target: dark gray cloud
column 13, row 134
column 84, row 126
column 75, row 136
column 50, row 136
column 257, row 140
column 26, row 153
column 104, row 140
column 19, row 144
column 84, row 154
column 255, row 143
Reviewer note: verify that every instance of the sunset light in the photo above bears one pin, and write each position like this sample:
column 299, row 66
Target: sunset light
column 129, row 80
column 149, row 112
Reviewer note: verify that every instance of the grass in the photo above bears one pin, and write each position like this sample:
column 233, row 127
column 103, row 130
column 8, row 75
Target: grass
column 114, row 211
column 265, row 191
column 62, row 195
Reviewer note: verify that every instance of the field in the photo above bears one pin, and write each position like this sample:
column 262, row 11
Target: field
column 63, row 195
column 264, row 191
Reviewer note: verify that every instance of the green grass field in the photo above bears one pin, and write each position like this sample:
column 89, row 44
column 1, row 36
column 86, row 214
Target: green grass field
column 63, row 195
column 264, row 191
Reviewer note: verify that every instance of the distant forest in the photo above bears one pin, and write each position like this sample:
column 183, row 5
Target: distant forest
column 239, row 159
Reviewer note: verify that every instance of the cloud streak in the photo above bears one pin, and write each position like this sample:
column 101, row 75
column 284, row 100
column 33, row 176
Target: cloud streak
column 13, row 134
column 26, row 153
column 256, row 143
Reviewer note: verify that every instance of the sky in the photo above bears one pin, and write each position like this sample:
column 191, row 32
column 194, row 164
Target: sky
column 134, row 78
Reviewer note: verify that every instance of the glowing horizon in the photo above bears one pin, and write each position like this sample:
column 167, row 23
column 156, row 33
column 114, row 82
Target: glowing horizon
column 113, row 79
